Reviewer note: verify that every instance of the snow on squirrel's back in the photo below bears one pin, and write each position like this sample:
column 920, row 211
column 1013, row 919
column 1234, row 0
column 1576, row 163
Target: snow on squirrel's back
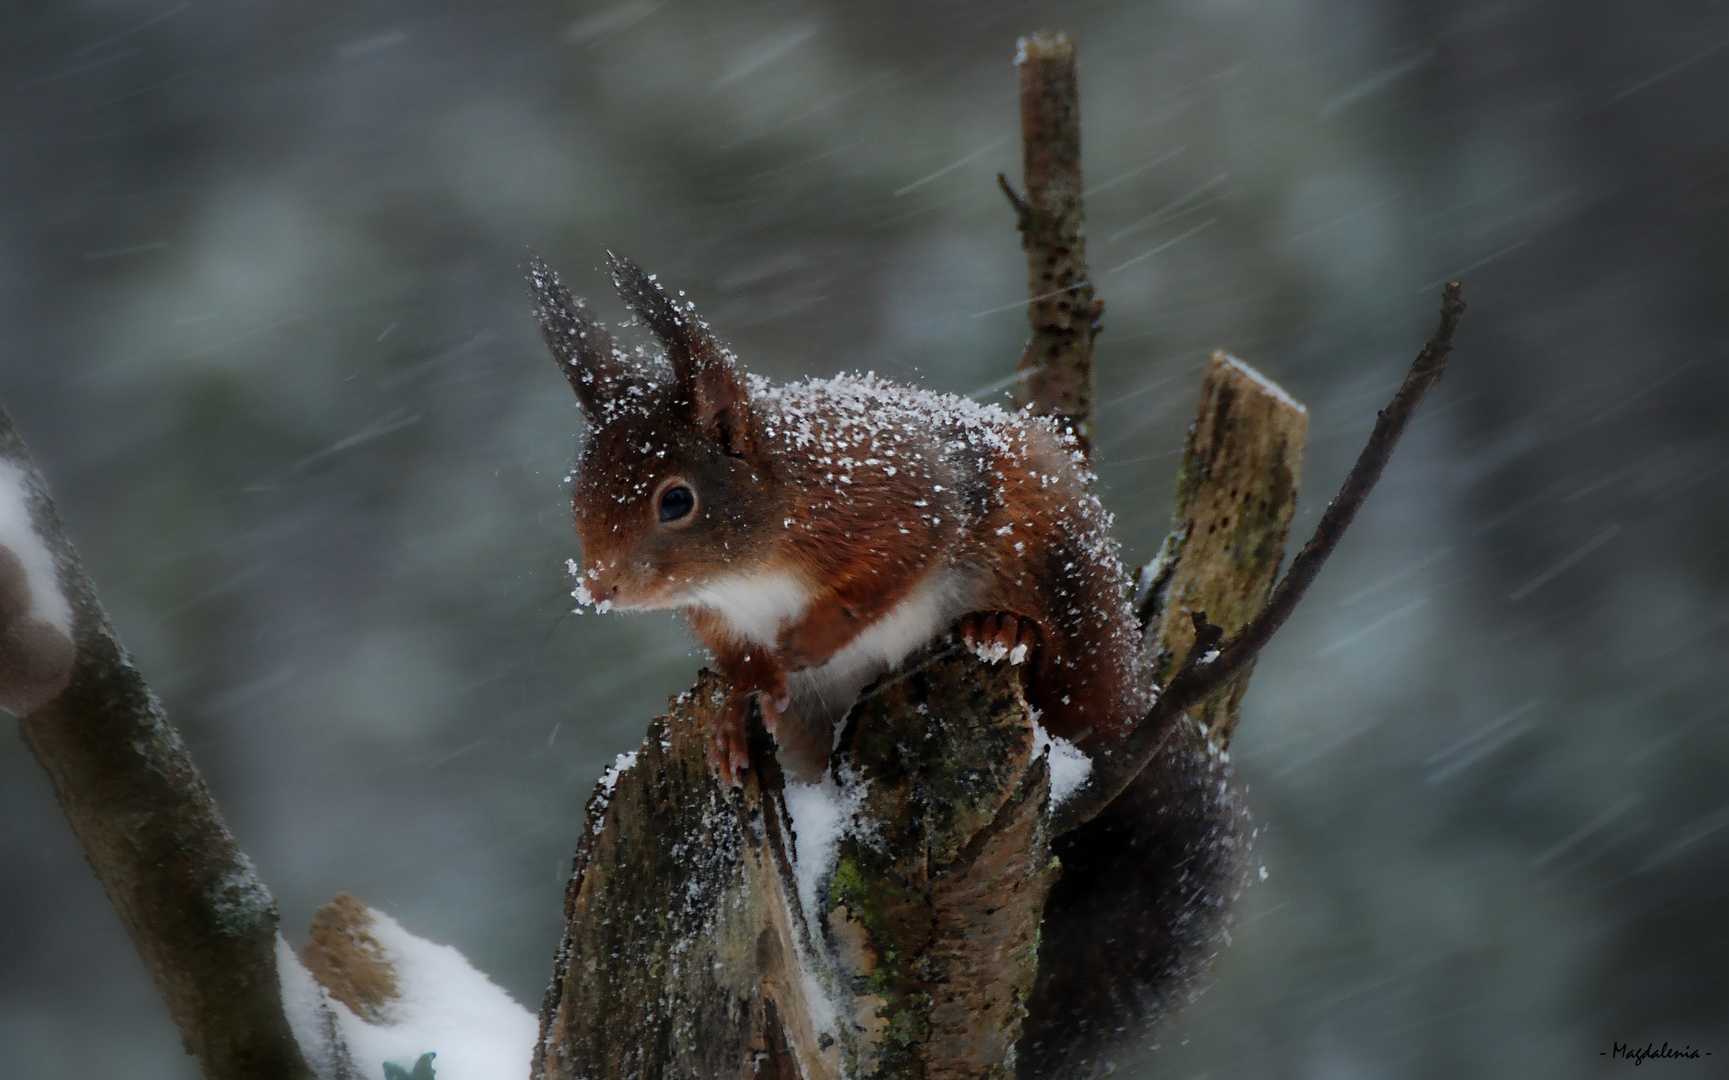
column 852, row 421
column 863, row 411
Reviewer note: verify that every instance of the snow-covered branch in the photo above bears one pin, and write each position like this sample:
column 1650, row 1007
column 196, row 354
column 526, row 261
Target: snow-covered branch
column 204, row 923
column 195, row 908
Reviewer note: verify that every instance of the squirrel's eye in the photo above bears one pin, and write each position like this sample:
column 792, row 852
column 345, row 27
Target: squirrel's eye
column 676, row 502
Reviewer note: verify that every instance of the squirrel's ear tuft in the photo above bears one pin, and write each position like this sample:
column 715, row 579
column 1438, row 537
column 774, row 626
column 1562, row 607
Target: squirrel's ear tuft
column 701, row 365
column 581, row 343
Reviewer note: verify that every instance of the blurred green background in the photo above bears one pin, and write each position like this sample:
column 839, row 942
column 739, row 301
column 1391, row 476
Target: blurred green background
column 262, row 323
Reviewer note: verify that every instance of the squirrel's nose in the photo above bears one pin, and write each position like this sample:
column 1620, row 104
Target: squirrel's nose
column 601, row 580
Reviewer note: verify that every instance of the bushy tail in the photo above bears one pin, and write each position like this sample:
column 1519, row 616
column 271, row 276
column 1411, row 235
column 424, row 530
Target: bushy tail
column 1139, row 914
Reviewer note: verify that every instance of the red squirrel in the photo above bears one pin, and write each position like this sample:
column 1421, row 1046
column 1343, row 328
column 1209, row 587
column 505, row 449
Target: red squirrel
column 815, row 534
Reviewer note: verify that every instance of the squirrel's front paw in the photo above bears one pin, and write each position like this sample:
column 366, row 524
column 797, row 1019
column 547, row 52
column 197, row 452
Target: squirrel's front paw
column 996, row 636
column 772, row 697
column 729, row 740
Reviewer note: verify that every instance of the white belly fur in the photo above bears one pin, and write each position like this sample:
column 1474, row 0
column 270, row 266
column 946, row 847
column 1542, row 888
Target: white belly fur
column 941, row 598
column 937, row 601
column 758, row 605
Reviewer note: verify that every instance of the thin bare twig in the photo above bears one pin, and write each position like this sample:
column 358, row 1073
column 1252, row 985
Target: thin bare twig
column 1200, row 676
column 1062, row 313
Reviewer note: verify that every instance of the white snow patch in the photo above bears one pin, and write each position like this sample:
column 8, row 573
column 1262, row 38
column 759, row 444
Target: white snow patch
column 820, row 814
column 18, row 534
column 309, row 1010
column 580, row 594
column 991, row 652
column 1069, row 765
column 621, row 765
column 1272, row 388
column 446, row 1007
column 824, row 1016
column 1150, row 573
column 995, row 652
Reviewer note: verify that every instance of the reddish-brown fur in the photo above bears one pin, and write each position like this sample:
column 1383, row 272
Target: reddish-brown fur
column 864, row 497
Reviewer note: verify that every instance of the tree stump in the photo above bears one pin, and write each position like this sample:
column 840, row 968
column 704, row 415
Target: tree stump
column 924, row 861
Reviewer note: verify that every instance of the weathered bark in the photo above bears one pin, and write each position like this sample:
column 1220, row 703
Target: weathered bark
column 1062, row 312
column 1236, row 494
column 688, row 953
column 1143, row 904
column 936, row 902
column 201, row 919
column 683, row 953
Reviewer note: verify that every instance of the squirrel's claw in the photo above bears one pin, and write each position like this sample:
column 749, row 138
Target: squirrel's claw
column 996, row 636
column 774, row 698
column 729, row 741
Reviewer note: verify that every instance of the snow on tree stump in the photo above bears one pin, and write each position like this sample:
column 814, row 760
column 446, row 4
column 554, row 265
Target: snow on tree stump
column 689, row 951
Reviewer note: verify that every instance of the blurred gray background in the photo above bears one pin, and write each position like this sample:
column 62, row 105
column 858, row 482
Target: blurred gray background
column 262, row 323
